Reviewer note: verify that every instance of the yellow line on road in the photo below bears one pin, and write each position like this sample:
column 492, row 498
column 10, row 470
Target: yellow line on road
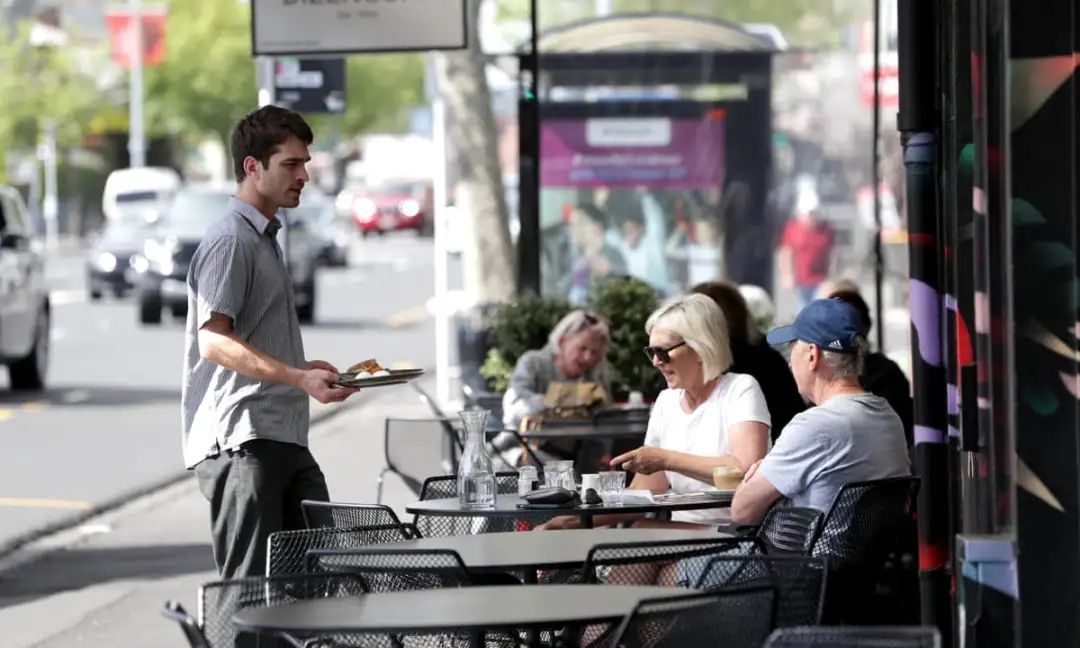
column 6, row 413
column 406, row 317
column 33, row 406
column 33, row 502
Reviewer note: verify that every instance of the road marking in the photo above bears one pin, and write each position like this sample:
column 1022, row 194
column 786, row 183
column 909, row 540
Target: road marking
column 33, row 406
column 65, row 297
column 75, row 396
column 408, row 316
column 6, row 413
column 34, row 502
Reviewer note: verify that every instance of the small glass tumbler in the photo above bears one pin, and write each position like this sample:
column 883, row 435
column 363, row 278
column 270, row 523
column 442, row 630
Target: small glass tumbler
column 527, row 477
column 612, row 484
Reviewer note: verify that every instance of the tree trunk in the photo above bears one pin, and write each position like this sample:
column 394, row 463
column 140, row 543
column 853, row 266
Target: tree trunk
column 473, row 157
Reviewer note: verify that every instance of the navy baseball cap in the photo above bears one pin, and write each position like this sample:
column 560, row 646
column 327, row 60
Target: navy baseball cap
column 829, row 323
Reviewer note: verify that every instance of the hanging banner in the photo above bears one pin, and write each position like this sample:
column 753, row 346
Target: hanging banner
column 302, row 27
column 310, row 85
column 122, row 35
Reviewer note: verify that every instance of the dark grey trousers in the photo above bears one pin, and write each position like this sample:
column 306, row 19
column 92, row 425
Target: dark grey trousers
column 254, row 491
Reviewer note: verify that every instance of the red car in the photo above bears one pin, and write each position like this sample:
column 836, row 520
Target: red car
column 389, row 207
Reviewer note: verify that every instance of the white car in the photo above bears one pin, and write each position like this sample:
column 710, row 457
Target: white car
column 24, row 297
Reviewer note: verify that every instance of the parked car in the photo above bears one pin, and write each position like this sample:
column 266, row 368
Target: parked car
column 110, row 263
column 24, row 297
column 392, row 206
column 330, row 233
column 147, row 189
column 163, row 266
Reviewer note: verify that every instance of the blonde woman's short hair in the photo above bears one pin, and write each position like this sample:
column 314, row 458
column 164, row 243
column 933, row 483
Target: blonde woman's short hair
column 700, row 322
column 577, row 321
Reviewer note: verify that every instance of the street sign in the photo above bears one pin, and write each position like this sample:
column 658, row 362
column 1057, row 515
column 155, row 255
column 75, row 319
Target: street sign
column 122, row 35
column 306, row 27
column 310, row 85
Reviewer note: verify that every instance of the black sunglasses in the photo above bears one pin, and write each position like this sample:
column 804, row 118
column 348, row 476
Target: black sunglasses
column 662, row 353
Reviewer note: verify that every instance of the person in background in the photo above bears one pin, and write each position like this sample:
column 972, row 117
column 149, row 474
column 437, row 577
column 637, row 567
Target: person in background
column 757, row 359
column 574, row 353
column 851, row 435
column 761, row 310
column 881, row 375
column 595, row 258
column 805, row 249
column 707, row 417
column 639, row 237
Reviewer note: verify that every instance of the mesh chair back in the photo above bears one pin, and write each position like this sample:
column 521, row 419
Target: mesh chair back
column 220, row 600
column 637, row 563
column 855, row 637
column 864, row 519
column 339, row 515
column 429, row 526
column 394, row 570
column 731, row 619
column 192, row 632
column 286, row 549
column 798, row 580
column 790, row 529
column 417, row 448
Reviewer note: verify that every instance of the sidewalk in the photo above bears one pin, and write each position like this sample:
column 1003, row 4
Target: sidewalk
column 103, row 583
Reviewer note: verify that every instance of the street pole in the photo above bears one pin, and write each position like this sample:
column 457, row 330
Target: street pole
column 50, row 202
column 440, row 192
column 879, row 259
column 528, row 255
column 136, row 127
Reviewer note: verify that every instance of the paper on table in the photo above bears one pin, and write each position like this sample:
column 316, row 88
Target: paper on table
column 637, row 497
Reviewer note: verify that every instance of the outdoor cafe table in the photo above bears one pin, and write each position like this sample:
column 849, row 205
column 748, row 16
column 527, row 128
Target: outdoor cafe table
column 510, row 552
column 585, row 429
column 464, row 609
column 506, row 506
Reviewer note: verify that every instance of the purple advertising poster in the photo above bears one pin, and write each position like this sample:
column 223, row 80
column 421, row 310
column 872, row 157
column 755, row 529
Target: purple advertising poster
column 633, row 152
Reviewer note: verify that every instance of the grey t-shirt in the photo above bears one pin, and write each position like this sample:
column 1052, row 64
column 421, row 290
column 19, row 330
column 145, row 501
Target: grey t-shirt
column 847, row 439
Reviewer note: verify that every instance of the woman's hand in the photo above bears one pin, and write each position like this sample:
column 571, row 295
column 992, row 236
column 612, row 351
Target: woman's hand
column 645, row 460
column 560, row 523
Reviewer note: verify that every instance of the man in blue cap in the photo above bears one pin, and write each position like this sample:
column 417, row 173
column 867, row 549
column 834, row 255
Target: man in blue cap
column 851, row 435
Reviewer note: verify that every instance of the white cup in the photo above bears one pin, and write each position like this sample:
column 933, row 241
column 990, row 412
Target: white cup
column 590, row 481
column 635, row 399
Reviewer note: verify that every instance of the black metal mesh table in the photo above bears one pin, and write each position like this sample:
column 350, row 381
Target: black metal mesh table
column 507, row 506
column 467, row 609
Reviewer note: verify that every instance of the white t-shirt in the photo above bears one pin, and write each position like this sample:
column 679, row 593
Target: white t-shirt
column 737, row 398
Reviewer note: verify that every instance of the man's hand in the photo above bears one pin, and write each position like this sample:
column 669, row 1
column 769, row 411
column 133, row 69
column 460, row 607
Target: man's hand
column 322, row 364
column 319, row 384
column 645, row 460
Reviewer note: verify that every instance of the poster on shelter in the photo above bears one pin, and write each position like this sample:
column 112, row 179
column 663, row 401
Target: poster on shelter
column 631, row 196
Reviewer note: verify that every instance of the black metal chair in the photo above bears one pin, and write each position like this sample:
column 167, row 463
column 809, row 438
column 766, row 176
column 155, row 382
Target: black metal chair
column 285, row 550
column 415, row 449
column 341, row 515
column 867, row 523
column 798, row 580
column 675, row 562
column 190, row 627
column 732, row 619
column 220, row 600
column 393, row 570
column 790, row 529
column 855, row 637
column 506, row 483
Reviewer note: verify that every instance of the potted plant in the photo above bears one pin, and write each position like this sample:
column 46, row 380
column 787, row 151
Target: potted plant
column 519, row 326
column 626, row 304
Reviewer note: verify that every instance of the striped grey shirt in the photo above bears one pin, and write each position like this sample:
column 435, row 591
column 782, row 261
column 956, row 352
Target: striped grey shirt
column 238, row 271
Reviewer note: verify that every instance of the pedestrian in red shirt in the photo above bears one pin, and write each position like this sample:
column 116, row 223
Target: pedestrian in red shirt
column 805, row 250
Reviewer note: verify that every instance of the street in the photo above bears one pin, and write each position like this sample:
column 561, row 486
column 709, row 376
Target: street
column 108, row 425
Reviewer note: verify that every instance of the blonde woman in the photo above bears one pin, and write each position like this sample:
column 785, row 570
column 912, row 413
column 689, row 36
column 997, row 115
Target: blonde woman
column 707, row 416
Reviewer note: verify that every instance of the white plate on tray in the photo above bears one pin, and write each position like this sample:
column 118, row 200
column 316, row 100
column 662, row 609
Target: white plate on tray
column 396, row 377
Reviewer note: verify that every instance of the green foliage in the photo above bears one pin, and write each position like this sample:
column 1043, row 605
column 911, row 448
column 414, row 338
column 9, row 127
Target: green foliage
column 626, row 304
column 519, row 326
column 207, row 81
column 40, row 86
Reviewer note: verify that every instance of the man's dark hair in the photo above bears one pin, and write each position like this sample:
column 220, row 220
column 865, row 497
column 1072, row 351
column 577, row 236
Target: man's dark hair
column 859, row 304
column 732, row 303
column 261, row 131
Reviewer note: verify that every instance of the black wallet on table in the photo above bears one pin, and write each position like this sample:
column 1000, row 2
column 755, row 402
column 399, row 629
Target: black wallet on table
column 553, row 497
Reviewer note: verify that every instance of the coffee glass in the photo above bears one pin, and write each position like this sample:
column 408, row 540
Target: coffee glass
column 727, row 477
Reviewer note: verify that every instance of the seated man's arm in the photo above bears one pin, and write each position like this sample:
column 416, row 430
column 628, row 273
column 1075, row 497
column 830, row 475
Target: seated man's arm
column 788, row 470
column 753, row 498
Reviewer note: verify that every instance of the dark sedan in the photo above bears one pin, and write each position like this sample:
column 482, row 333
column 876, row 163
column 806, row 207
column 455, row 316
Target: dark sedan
column 110, row 265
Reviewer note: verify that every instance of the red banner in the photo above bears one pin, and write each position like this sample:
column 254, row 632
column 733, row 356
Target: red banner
column 122, row 36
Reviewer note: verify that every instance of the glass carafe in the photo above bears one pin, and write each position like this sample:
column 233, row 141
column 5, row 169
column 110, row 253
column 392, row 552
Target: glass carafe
column 476, row 476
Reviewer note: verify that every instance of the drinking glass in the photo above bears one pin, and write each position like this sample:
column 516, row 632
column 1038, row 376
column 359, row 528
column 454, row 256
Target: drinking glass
column 612, row 484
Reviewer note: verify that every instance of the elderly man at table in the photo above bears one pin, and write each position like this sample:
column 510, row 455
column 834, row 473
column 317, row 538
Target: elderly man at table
column 851, row 435
column 707, row 417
